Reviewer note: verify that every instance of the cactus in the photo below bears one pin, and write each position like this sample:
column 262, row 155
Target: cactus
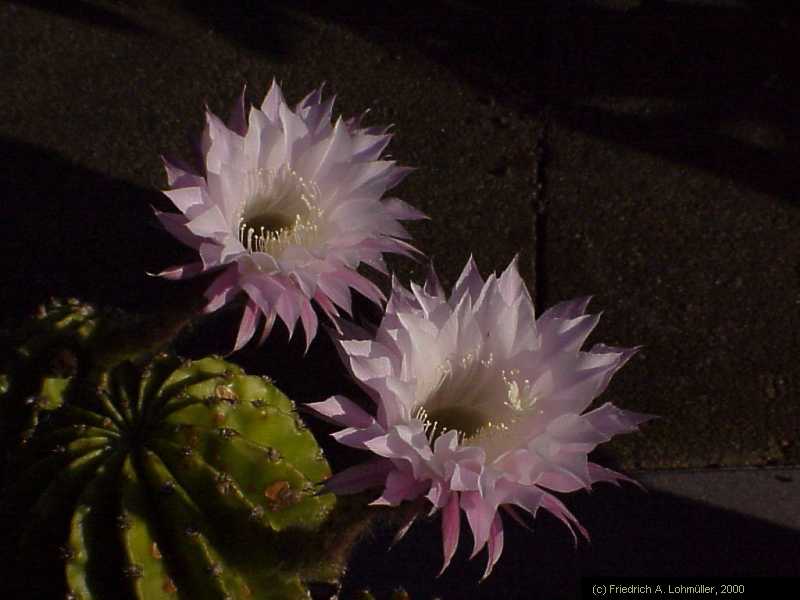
column 65, row 339
column 38, row 362
column 172, row 479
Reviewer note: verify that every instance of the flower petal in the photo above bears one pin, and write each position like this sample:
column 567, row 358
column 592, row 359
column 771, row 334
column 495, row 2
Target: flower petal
column 175, row 224
column 289, row 164
column 480, row 515
column 495, row 544
column 209, row 223
column 554, row 506
column 184, row 198
column 435, row 365
column 451, row 526
column 236, row 121
column 273, row 101
column 360, row 438
column 222, row 290
column 341, row 411
column 182, row 271
column 247, row 326
column 359, row 477
column 400, row 485
column 469, row 283
column 309, row 319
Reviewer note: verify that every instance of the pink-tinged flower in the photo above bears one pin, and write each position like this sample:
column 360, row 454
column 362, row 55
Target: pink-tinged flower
column 480, row 406
column 287, row 206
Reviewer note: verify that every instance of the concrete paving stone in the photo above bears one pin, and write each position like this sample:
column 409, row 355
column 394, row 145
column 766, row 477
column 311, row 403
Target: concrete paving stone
column 668, row 187
column 671, row 196
column 771, row 494
column 94, row 94
column 736, row 523
column 669, row 134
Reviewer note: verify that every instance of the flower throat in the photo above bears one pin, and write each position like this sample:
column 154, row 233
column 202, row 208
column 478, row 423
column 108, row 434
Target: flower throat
column 279, row 209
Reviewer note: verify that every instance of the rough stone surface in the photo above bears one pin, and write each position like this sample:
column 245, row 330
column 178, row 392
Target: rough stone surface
column 688, row 524
column 638, row 151
column 671, row 197
column 93, row 94
column 769, row 494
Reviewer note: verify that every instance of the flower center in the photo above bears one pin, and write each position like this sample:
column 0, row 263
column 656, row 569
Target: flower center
column 460, row 396
column 474, row 398
column 279, row 209
column 466, row 422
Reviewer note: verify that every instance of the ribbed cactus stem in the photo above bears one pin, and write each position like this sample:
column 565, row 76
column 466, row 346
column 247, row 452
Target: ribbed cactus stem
column 135, row 474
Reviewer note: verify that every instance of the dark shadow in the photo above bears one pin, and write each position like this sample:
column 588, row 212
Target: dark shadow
column 686, row 138
column 87, row 12
column 634, row 534
column 70, row 231
column 709, row 62
column 263, row 27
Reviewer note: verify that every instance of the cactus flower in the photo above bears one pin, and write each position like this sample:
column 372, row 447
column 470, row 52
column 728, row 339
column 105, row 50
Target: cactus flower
column 481, row 407
column 286, row 207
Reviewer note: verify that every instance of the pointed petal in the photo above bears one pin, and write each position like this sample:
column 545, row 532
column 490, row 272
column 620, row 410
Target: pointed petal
column 181, row 271
column 219, row 144
column 612, row 420
column 337, row 290
column 175, row 224
column 480, row 514
column 222, row 290
column 469, row 282
column 433, row 287
column 264, row 291
column 237, row 121
column 362, row 285
column 569, row 309
column 368, row 147
column 209, row 223
column 405, row 525
column 400, row 486
column 334, row 150
column 327, row 307
column 342, row 411
column 360, row 477
column 269, row 322
column 451, row 526
column 273, row 101
column 598, row 473
column 495, row 544
column 514, row 514
column 309, row 319
column 510, row 282
column 288, row 310
column 565, row 335
column 247, row 327
column 360, row 438
column 402, row 211
column 180, row 175
column 185, row 198
column 294, row 130
column 313, row 97
column 554, row 506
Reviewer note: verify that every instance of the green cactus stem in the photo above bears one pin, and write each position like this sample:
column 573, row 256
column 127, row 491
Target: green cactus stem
column 169, row 480
column 66, row 339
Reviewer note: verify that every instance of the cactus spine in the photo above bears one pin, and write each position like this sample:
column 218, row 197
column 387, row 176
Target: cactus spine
column 155, row 478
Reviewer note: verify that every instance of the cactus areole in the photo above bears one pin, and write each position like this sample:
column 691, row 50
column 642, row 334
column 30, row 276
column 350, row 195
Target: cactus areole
column 177, row 479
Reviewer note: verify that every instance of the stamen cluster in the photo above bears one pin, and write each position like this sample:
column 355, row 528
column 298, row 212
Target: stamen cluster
column 480, row 406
